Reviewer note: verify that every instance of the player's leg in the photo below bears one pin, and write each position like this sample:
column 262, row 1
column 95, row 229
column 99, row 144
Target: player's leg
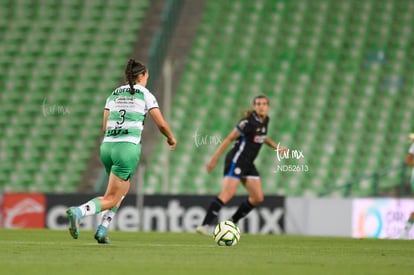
column 121, row 162
column 124, row 166
column 101, row 234
column 228, row 190
column 125, row 157
column 116, row 190
column 75, row 213
column 232, row 172
column 408, row 226
column 253, row 186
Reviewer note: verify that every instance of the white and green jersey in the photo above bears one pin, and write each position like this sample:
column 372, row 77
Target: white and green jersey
column 127, row 113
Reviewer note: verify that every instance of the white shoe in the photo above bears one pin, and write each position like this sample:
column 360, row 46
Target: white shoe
column 206, row 230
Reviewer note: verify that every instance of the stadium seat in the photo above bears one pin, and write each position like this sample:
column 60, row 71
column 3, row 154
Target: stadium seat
column 52, row 59
column 338, row 76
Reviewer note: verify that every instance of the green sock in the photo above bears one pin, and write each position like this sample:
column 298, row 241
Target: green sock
column 98, row 205
column 115, row 209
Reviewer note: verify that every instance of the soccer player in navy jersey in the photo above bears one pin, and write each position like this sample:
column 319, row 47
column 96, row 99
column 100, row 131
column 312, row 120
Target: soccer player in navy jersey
column 249, row 135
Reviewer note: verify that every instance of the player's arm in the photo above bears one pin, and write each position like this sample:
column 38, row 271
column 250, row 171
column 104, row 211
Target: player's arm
column 234, row 134
column 409, row 159
column 163, row 126
column 276, row 146
column 105, row 120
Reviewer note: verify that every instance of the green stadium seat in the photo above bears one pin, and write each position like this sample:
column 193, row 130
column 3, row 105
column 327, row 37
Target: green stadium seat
column 328, row 94
column 48, row 53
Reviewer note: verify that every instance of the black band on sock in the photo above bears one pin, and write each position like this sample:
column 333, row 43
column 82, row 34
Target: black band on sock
column 249, row 204
column 244, row 209
column 213, row 211
column 218, row 201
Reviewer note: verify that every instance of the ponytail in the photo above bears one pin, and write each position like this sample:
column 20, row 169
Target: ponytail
column 133, row 69
column 130, row 76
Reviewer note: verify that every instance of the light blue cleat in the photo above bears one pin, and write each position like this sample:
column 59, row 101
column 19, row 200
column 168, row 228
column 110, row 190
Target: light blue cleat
column 101, row 235
column 74, row 214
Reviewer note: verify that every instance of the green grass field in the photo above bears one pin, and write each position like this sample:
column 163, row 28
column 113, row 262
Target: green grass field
column 55, row 252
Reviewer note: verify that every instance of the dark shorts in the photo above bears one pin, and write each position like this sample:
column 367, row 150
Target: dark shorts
column 239, row 169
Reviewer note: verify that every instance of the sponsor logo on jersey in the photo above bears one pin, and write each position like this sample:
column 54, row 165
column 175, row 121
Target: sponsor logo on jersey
column 116, row 132
column 259, row 138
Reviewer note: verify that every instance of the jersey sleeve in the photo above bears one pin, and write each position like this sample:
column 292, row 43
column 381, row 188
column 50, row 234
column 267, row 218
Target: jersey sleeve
column 107, row 105
column 244, row 126
column 150, row 102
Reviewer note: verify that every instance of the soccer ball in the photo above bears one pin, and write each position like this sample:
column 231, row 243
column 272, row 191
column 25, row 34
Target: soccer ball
column 226, row 233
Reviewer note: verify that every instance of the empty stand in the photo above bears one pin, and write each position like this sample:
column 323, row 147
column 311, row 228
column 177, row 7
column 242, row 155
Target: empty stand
column 339, row 75
column 60, row 60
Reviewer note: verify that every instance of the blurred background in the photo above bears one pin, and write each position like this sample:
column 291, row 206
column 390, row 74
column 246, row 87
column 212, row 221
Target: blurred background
column 339, row 75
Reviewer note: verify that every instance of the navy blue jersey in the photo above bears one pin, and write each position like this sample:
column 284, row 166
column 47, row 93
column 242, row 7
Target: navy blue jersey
column 253, row 133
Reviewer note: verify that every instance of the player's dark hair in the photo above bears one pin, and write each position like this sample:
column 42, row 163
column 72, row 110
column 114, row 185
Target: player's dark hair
column 133, row 69
column 248, row 113
column 260, row 96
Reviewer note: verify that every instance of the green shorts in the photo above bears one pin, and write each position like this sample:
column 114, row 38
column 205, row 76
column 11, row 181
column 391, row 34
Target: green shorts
column 120, row 158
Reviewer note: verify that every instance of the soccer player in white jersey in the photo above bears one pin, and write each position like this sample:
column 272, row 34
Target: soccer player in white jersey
column 123, row 120
column 409, row 160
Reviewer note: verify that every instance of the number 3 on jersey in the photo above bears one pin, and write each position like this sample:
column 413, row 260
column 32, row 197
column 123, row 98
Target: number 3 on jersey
column 122, row 113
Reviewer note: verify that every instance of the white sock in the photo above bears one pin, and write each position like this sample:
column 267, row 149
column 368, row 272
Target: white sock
column 107, row 217
column 88, row 208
